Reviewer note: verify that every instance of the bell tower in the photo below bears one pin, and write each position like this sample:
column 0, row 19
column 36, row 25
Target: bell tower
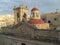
column 20, row 14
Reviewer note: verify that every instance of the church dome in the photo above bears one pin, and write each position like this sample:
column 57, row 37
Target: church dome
column 36, row 21
column 35, row 9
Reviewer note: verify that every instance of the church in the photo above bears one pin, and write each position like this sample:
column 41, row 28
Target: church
column 29, row 31
column 35, row 20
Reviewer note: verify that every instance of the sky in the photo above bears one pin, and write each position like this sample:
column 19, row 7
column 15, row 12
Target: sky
column 44, row 6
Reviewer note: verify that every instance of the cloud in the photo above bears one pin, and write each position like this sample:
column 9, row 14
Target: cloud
column 5, row 1
column 54, row 1
column 1, row 10
column 44, row 5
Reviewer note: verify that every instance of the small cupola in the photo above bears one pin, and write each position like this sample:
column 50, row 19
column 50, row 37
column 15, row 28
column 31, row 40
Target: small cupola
column 35, row 13
column 34, row 9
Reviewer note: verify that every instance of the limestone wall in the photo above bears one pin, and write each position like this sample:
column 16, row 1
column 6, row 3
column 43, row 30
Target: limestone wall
column 8, row 40
column 47, row 33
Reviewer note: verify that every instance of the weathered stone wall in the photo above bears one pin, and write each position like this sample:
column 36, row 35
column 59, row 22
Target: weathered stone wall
column 38, row 34
column 31, row 33
column 47, row 33
column 8, row 40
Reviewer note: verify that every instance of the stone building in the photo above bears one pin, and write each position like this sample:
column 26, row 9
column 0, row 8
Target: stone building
column 21, row 14
column 25, row 34
column 53, row 19
column 29, row 32
column 6, row 20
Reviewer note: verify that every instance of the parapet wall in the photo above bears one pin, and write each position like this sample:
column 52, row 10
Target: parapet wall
column 10, row 40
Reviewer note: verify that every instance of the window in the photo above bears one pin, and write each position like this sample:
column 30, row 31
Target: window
column 37, row 15
column 55, row 19
column 24, row 15
column 18, row 15
column 23, row 44
column 43, row 19
column 33, row 16
column 33, row 13
column 49, row 21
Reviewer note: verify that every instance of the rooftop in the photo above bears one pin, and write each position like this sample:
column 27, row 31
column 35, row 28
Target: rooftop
column 36, row 21
column 35, row 9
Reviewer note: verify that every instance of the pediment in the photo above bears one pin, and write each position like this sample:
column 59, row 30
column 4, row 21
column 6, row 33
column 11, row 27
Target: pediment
column 24, row 28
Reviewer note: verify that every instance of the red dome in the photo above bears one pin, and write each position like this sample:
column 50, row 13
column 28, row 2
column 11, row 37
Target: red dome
column 36, row 21
column 34, row 9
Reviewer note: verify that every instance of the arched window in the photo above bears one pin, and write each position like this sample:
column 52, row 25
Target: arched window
column 24, row 15
column 33, row 16
column 23, row 44
column 49, row 21
column 33, row 13
column 18, row 15
column 37, row 15
column 55, row 19
column 43, row 19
